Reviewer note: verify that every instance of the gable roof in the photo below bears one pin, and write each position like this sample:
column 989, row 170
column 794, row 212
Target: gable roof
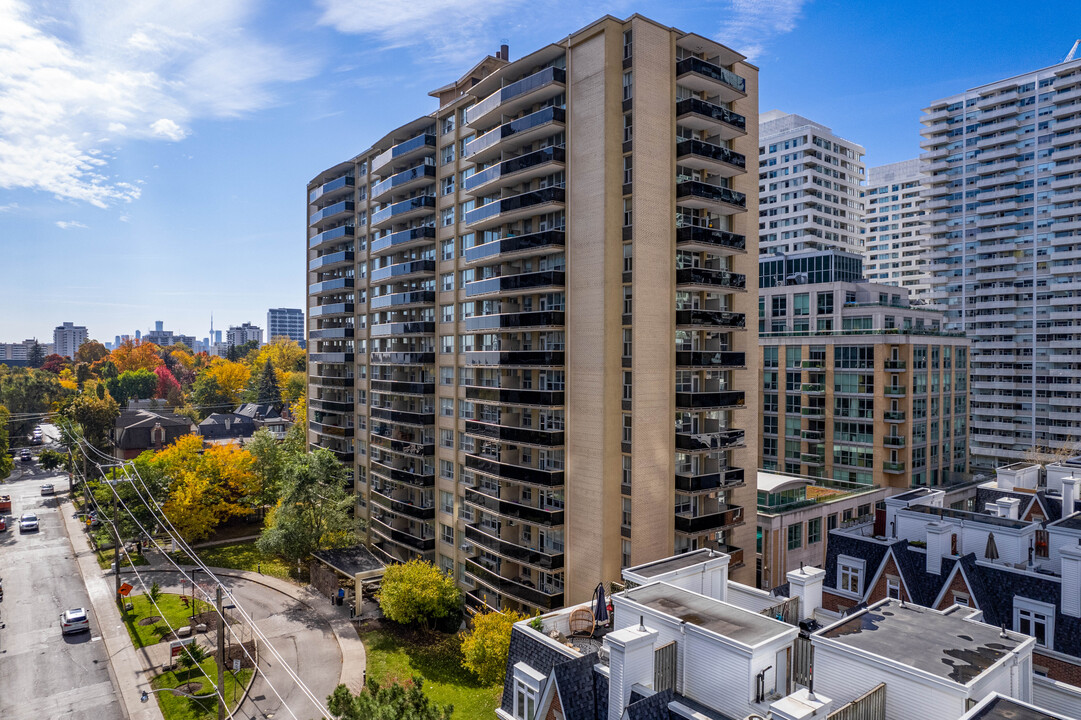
column 574, row 683
column 535, row 653
column 251, row 410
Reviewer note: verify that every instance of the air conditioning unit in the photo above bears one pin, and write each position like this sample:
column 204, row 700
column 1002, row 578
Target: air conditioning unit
column 466, row 547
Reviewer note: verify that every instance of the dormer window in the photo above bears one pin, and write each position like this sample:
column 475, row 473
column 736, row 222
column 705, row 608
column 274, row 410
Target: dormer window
column 850, row 575
column 527, row 685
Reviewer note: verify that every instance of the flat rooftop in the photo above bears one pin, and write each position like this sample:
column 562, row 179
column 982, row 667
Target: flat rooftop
column 676, row 562
column 722, row 618
column 967, row 515
column 944, row 645
column 1004, row 708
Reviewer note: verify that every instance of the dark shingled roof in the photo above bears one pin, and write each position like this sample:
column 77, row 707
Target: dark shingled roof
column 922, row 585
column 251, row 410
column 132, row 428
column 226, row 425
column 349, row 561
column 654, row 707
column 841, row 544
column 535, row 653
column 574, row 679
column 600, row 694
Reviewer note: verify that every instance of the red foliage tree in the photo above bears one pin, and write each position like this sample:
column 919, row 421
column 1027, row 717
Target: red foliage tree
column 55, row 363
column 166, row 383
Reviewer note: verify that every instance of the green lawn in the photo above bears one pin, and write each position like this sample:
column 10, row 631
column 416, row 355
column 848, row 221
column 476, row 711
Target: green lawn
column 396, row 656
column 178, row 707
column 172, row 610
column 241, row 556
column 105, row 559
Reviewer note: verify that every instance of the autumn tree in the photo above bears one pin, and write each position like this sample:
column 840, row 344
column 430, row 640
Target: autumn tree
column 95, row 418
column 132, row 356
column 313, row 512
column 54, row 363
column 208, row 397
column 232, row 377
column 167, row 388
column 26, row 392
column 417, row 592
column 485, row 646
column 90, row 352
column 5, row 459
column 389, row 702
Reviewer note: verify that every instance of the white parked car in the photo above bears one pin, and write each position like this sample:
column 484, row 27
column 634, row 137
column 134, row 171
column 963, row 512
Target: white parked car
column 73, row 621
column 28, row 522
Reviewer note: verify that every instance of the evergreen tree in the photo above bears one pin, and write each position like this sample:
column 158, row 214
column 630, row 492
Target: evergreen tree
column 268, row 390
column 35, row 356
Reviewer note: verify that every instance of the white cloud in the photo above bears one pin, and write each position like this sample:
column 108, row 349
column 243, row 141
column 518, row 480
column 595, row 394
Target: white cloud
column 68, row 224
column 168, row 129
column 450, row 30
column 72, row 91
column 751, row 24
column 9, row 207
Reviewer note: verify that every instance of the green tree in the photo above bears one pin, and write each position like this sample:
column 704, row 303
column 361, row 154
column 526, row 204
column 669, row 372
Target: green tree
column 50, row 459
column 485, row 646
column 208, row 396
column 270, row 459
column 267, row 391
column 26, row 392
column 129, row 384
column 192, row 655
column 393, row 702
column 417, row 592
column 313, row 512
column 35, row 356
column 5, row 459
column 155, row 592
column 90, row 352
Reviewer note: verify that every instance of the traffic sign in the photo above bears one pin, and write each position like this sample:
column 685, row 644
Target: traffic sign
column 236, row 664
column 125, row 589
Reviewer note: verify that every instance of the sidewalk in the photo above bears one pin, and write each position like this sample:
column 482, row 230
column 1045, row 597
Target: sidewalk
column 127, row 665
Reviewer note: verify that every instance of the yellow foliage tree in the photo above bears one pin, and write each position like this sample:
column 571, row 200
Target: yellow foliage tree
column 485, row 646
column 130, row 356
column 190, row 507
column 232, row 377
column 231, row 471
column 284, row 354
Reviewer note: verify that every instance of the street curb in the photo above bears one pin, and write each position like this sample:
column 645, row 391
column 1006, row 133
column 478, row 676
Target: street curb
column 251, row 681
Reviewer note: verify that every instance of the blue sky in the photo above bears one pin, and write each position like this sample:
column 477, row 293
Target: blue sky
column 154, row 153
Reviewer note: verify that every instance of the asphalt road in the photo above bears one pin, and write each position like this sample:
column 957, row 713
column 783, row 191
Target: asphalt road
column 44, row 674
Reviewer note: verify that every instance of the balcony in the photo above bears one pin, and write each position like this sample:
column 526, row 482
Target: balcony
column 510, row 99
column 721, row 200
column 718, row 242
column 408, row 477
column 894, row 416
column 514, row 134
column 813, row 364
column 895, row 391
column 515, row 590
column 505, row 508
column 812, row 436
column 513, row 284
column 711, row 319
column 345, row 456
column 711, row 158
column 815, row 459
column 402, row 271
column 724, row 479
column 894, row 441
column 701, row 115
column 404, row 239
column 397, row 387
column 335, row 406
column 706, row 359
column 896, row 365
column 517, row 246
column 414, row 147
column 814, row 412
column 332, row 187
column 514, row 358
column 330, row 357
column 521, row 169
column 402, row 300
column 342, row 308
column 507, row 396
column 710, row 279
column 515, row 207
column 698, row 442
column 393, row 329
column 406, row 180
column 326, row 262
column 399, row 507
column 730, row 516
column 401, row 537
column 403, row 211
column 702, row 76
column 517, row 553
column 335, row 333
column 812, row 388
column 338, row 209
column 711, row 400
column 326, row 286
column 331, row 430
column 331, row 381
column 339, row 233
column 515, row 435
column 893, row 467
column 404, row 417
column 514, row 321
column 517, row 473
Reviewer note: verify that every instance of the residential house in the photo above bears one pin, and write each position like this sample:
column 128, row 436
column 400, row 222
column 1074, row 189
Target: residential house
column 139, row 429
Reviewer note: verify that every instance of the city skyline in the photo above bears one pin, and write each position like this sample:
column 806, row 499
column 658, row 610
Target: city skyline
column 208, row 186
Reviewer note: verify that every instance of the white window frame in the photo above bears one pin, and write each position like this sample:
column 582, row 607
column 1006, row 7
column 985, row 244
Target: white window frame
column 527, row 691
column 854, row 566
column 1031, row 608
column 893, row 588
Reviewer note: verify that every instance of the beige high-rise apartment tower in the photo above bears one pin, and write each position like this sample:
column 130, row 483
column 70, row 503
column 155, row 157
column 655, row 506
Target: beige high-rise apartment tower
column 526, row 316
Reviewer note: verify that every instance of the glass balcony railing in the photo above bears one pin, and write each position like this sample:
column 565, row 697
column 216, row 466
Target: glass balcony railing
column 512, row 396
column 510, row 283
column 345, row 181
column 382, row 527
column 516, row 244
column 403, row 238
column 328, row 285
column 390, row 272
column 518, row 473
column 403, row 208
column 813, row 411
column 894, row 441
column 408, row 147
column 894, row 391
column 404, row 476
column 401, row 328
column 894, row 416
column 513, row 551
column 402, row 507
column 702, row 400
column 710, row 151
column 513, row 358
column 424, row 171
column 705, row 191
column 338, row 233
column 405, row 417
column 514, row 435
column 520, row 589
column 403, row 358
column 896, row 365
column 331, row 333
column 709, row 237
column 344, row 308
column 523, row 124
column 721, row 440
column 729, row 516
column 338, row 208
column 893, row 467
column 331, row 357
column 514, row 166
column 416, row 297
column 711, row 318
column 710, row 359
column 709, row 110
column 323, row 261
column 515, row 202
column 724, row 479
column 711, row 71
column 401, row 387
column 528, row 84
column 716, row 278
column 505, row 508
column 510, row 321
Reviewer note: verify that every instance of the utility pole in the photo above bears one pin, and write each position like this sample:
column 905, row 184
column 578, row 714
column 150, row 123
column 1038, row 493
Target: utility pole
column 116, row 547
column 221, row 658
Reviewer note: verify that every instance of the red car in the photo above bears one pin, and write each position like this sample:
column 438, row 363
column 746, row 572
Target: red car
column 3, row 524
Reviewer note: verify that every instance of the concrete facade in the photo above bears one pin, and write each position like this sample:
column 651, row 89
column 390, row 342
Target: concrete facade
column 67, row 338
column 894, row 228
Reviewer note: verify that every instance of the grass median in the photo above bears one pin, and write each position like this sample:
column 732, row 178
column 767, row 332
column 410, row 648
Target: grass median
column 147, row 624
column 240, row 556
column 195, row 682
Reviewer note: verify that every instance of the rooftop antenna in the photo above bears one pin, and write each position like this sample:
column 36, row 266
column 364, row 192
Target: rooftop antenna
column 1073, row 51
